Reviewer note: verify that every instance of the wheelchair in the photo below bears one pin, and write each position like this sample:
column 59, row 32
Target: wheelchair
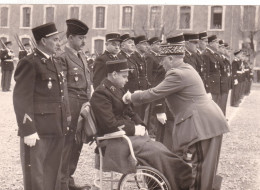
column 145, row 178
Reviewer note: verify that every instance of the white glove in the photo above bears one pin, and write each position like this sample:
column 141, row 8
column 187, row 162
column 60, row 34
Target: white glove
column 127, row 97
column 30, row 140
column 162, row 118
column 91, row 90
column 140, row 130
column 209, row 95
column 235, row 82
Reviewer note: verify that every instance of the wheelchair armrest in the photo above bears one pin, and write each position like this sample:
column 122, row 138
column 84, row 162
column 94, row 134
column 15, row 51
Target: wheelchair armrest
column 119, row 134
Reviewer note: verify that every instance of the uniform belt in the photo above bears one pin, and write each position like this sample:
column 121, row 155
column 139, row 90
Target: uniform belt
column 240, row 72
column 246, row 70
column 9, row 60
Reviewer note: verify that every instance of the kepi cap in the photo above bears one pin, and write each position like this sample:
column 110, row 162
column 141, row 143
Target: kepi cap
column 191, row 37
column 113, row 37
column 212, row 38
column 126, row 37
column 174, row 46
column 154, row 40
column 203, row 35
column 117, row 65
column 140, row 39
column 76, row 27
column 44, row 31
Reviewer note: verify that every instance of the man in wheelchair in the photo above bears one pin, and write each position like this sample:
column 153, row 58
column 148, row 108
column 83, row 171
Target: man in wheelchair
column 113, row 115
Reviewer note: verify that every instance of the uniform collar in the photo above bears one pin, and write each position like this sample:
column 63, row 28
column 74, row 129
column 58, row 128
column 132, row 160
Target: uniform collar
column 72, row 50
column 45, row 54
column 187, row 52
column 113, row 89
column 211, row 50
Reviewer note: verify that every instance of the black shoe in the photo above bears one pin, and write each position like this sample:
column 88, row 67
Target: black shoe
column 85, row 187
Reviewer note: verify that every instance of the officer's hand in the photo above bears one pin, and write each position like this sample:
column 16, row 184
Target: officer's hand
column 209, row 95
column 140, row 130
column 127, row 97
column 162, row 118
column 30, row 140
column 235, row 82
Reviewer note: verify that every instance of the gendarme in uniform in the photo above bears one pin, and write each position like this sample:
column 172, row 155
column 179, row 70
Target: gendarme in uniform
column 40, row 108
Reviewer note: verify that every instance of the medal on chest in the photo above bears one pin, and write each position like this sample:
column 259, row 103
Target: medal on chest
column 49, row 84
column 76, row 78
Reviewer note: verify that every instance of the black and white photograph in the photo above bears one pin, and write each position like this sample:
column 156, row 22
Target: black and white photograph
column 129, row 95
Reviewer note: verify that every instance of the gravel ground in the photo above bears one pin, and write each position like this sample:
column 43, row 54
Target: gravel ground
column 239, row 162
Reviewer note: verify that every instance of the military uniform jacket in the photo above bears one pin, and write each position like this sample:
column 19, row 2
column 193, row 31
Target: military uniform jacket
column 202, row 68
column 213, row 70
column 197, row 117
column 22, row 54
column 111, row 113
column 133, row 75
column 7, row 62
column 39, row 98
column 236, row 70
column 141, row 64
column 223, row 67
column 100, row 69
column 77, row 74
column 225, row 75
column 191, row 59
column 155, row 75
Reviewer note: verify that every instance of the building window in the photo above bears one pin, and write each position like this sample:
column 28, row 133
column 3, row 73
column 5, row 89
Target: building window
column 74, row 12
column 100, row 17
column 127, row 17
column 25, row 40
column 185, row 17
column 4, row 14
column 216, row 17
column 26, row 22
column 248, row 17
column 49, row 14
column 4, row 39
column 98, row 46
column 155, row 16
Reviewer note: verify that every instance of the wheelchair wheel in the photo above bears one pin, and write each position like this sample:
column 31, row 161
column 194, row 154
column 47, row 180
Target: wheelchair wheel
column 146, row 178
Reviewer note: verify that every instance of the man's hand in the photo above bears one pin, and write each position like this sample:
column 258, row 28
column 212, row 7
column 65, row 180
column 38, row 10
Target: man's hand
column 162, row 118
column 235, row 82
column 140, row 130
column 30, row 140
column 127, row 97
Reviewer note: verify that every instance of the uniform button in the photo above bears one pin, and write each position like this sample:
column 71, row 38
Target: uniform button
column 61, row 90
column 60, row 82
column 68, row 128
column 78, row 95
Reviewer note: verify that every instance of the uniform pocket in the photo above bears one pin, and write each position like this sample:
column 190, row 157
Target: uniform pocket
column 185, row 129
column 48, row 119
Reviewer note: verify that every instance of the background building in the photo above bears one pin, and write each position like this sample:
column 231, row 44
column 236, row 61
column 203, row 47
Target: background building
column 234, row 24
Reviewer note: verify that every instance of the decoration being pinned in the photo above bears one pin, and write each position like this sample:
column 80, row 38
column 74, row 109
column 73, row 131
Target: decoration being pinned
column 76, row 78
column 113, row 88
column 49, row 84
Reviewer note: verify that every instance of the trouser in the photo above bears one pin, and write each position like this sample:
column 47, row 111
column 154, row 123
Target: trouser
column 223, row 103
column 142, row 111
column 164, row 133
column 41, row 163
column 205, row 159
column 217, row 99
column 6, row 79
column 71, row 150
column 235, row 95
